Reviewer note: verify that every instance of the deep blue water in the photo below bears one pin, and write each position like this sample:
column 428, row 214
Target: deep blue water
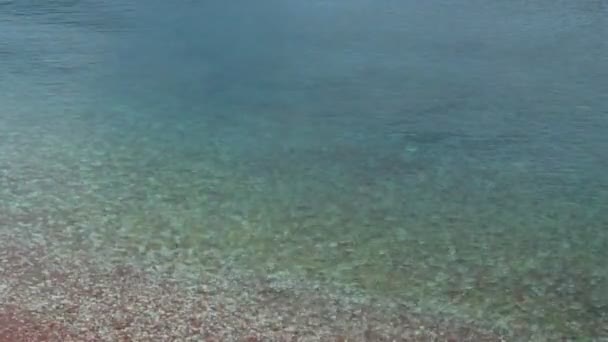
column 355, row 90
column 510, row 81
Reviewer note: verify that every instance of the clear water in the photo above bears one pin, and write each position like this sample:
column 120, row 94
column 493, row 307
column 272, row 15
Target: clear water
column 452, row 154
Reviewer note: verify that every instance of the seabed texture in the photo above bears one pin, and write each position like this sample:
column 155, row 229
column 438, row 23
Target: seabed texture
column 49, row 295
column 116, row 229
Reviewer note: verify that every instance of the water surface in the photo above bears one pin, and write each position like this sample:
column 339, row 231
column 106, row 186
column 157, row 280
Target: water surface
column 448, row 154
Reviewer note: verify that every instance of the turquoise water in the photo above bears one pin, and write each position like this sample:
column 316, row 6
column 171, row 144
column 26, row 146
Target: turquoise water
column 450, row 155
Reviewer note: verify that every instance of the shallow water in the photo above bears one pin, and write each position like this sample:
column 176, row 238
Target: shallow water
column 453, row 155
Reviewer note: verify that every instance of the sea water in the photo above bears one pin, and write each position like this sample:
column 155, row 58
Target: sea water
column 450, row 154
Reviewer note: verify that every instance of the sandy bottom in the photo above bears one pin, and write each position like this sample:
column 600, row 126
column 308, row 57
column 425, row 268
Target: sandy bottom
column 50, row 293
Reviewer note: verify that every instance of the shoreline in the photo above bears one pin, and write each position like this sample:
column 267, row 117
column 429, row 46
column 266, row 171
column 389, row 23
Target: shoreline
column 50, row 296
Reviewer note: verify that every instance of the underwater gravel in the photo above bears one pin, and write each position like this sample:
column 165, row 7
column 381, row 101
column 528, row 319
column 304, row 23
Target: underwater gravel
column 52, row 293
